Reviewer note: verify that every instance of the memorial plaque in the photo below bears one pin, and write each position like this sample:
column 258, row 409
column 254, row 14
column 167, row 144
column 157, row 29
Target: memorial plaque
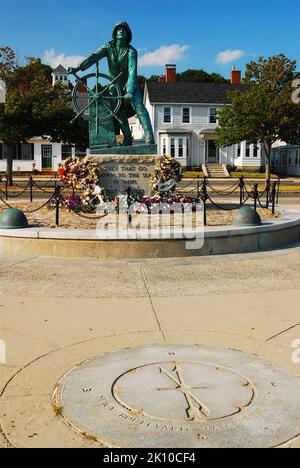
column 120, row 172
column 181, row 397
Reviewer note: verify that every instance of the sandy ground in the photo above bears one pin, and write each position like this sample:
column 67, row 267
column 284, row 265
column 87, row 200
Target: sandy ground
column 68, row 219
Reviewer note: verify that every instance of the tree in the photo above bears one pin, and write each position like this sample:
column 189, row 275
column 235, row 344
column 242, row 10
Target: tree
column 35, row 107
column 8, row 63
column 200, row 76
column 196, row 76
column 262, row 110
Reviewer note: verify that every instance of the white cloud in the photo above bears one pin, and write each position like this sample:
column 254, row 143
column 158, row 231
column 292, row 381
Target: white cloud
column 163, row 55
column 228, row 56
column 53, row 59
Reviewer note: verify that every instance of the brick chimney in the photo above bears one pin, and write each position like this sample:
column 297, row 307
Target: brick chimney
column 162, row 79
column 235, row 76
column 82, row 88
column 171, row 76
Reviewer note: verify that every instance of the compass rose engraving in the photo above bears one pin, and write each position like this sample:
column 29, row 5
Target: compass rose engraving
column 197, row 410
column 183, row 391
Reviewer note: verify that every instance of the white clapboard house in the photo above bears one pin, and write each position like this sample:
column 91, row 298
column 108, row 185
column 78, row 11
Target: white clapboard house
column 38, row 154
column 285, row 159
column 184, row 119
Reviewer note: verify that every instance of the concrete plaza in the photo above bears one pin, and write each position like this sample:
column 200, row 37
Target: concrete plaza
column 56, row 313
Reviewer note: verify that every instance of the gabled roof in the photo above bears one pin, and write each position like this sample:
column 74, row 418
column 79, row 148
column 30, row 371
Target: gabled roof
column 60, row 70
column 190, row 93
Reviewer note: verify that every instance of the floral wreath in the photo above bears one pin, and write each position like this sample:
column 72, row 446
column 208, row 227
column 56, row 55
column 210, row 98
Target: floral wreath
column 165, row 176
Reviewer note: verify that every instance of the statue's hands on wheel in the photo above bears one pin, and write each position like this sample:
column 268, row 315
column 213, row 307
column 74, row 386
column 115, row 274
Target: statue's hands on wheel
column 72, row 70
column 128, row 97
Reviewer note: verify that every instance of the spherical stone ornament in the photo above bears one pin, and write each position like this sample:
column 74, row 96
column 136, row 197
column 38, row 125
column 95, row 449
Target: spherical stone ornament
column 180, row 397
column 246, row 216
column 13, row 219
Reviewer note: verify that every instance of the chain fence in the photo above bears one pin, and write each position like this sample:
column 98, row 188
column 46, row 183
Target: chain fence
column 204, row 192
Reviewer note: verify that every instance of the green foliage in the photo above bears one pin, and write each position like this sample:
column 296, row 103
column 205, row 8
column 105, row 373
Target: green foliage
column 8, row 63
column 200, row 76
column 196, row 76
column 35, row 108
column 263, row 111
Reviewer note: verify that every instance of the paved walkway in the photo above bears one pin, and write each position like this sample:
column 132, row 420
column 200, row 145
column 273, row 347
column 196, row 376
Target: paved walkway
column 57, row 313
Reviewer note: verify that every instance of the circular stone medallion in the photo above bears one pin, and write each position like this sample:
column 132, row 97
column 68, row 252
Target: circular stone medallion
column 180, row 397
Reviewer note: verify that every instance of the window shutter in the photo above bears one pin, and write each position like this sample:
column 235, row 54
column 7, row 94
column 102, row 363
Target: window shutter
column 32, row 151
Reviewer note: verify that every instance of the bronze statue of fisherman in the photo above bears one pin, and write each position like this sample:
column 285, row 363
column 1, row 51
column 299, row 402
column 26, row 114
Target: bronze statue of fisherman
column 122, row 63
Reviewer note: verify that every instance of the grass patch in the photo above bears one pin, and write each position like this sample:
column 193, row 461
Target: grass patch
column 58, row 410
column 252, row 175
column 89, row 437
column 289, row 188
column 237, row 175
column 190, row 174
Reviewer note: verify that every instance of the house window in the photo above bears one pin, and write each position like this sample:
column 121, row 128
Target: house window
column 164, row 147
column 173, row 148
column 239, row 150
column 26, row 152
column 248, row 145
column 186, row 115
column 167, row 115
column 255, row 151
column 213, row 115
column 180, row 148
column 66, row 152
column 176, row 146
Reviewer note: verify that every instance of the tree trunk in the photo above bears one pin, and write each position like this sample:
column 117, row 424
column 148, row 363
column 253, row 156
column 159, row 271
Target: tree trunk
column 268, row 150
column 10, row 155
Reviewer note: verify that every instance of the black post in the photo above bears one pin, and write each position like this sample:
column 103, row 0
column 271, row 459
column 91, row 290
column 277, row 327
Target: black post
column 6, row 190
column 278, row 190
column 30, row 188
column 204, row 199
column 57, row 204
column 255, row 195
column 198, row 187
column 242, row 185
column 129, row 205
column 273, row 197
column 268, row 188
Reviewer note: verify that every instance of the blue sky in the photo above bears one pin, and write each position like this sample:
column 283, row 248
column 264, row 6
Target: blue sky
column 213, row 35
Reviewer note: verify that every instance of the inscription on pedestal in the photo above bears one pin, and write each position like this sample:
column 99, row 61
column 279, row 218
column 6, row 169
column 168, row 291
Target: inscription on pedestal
column 120, row 172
